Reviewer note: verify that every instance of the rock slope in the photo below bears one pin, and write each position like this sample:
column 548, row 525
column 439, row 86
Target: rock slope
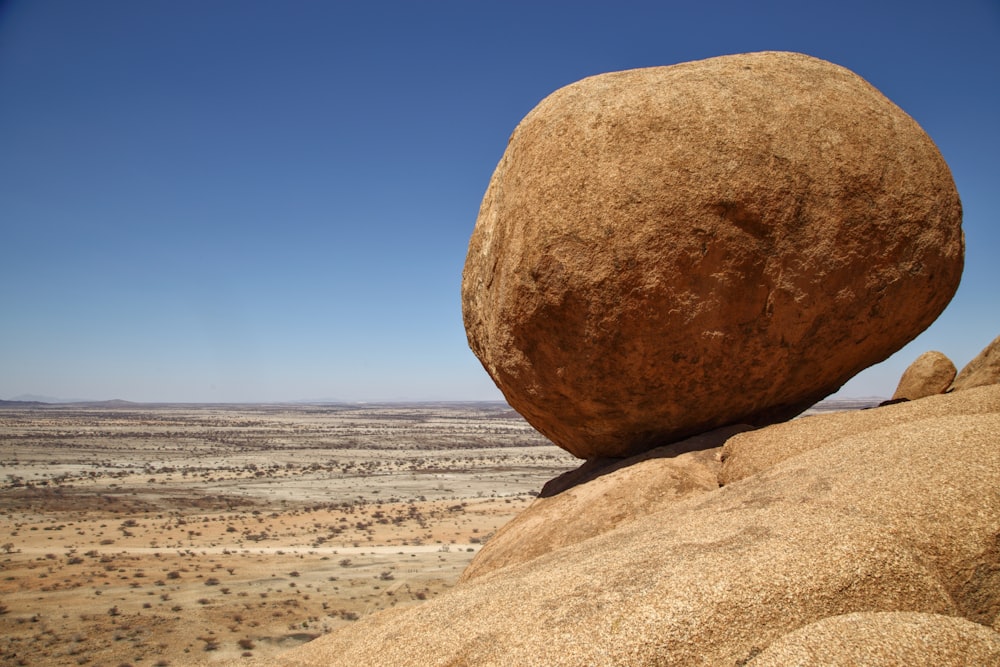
column 900, row 514
column 748, row 453
column 596, row 498
column 888, row 639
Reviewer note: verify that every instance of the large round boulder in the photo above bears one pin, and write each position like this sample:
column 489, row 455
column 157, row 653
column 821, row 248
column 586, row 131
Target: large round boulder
column 664, row 251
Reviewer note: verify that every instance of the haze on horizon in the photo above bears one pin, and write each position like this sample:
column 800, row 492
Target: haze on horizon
column 268, row 202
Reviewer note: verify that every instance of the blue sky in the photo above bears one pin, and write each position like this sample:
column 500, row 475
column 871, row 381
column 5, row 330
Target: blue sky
column 267, row 201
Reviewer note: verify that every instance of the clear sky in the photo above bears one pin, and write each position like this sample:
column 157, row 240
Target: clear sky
column 240, row 200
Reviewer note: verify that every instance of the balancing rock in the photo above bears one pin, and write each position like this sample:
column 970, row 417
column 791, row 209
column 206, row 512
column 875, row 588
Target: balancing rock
column 664, row 251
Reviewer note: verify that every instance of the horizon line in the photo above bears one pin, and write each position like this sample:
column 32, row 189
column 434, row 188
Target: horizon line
column 393, row 401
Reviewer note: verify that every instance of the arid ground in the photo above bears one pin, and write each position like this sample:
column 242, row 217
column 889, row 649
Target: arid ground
column 168, row 535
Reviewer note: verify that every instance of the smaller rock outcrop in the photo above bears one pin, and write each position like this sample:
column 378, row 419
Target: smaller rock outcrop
column 931, row 373
column 984, row 369
column 885, row 639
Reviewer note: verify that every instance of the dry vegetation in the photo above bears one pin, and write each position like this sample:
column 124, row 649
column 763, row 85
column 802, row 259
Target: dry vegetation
column 167, row 535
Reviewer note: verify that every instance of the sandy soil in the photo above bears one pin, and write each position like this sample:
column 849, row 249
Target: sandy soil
column 170, row 535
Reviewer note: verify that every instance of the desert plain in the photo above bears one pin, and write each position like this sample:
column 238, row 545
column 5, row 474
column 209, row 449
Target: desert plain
column 137, row 534
column 174, row 534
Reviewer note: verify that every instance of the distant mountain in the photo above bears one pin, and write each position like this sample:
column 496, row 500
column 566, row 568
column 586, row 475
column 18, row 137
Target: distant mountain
column 22, row 404
column 35, row 398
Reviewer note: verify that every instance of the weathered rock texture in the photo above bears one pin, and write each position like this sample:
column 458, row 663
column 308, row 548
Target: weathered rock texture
column 746, row 454
column 931, row 373
column 595, row 498
column 898, row 517
column 668, row 250
column 983, row 370
column 888, row 639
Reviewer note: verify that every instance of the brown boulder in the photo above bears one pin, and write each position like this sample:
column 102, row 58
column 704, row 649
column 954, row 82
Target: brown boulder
column 901, row 518
column 664, row 251
column 748, row 453
column 931, row 373
column 887, row 639
column 983, row 370
column 593, row 499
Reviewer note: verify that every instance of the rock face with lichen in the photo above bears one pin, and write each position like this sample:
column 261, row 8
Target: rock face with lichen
column 664, row 251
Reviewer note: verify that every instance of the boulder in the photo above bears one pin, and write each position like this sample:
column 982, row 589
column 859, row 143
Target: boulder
column 748, row 453
column 886, row 639
column 931, row 373
column 594, row 499
column 983, row 370
column 900, row 518
column 664, row 251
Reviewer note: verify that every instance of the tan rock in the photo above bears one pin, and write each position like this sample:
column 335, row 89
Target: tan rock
column 983, row 370
column 594, row 499
column 887, row 639
column 668, row 250
column 900, row 518
column 931, row 373
column 748, row 453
